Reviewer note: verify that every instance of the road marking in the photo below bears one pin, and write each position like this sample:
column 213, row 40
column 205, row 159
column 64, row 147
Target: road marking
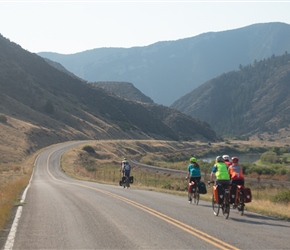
column 191, row 230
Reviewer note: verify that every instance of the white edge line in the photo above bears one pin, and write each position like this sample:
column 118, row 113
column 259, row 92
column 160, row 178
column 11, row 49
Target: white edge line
column 11, row 237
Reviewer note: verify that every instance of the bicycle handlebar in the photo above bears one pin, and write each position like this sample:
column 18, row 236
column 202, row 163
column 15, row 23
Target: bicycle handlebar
column 210, row 182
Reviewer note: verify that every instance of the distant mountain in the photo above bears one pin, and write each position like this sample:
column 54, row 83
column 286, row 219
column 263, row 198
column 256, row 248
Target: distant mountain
column 121, row 89
column 61, row 107
column 124, row 90
column 252, row 100
column 166, row 71
column 60, row 67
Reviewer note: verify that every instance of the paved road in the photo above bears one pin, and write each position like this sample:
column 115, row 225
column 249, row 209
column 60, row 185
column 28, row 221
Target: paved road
column 63, row 213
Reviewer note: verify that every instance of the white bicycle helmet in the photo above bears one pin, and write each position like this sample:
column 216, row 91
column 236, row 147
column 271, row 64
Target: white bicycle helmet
column 226, row 157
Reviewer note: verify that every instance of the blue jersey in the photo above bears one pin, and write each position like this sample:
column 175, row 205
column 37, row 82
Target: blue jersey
column 193, row 170
column 127, row 168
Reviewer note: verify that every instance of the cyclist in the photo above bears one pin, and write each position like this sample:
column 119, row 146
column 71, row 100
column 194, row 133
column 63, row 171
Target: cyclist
column 123, row 163
column 227, row 160
column 193, row 174
column 236, row 175
column 126, row 169
column 220, row 170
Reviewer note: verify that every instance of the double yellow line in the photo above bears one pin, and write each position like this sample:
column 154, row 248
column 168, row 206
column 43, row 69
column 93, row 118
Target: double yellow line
column 191, row 230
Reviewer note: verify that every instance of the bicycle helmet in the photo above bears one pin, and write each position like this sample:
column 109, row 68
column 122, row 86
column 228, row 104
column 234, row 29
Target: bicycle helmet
column 235, row 159
column 125, row 159
column 192, row 159
column 226, row 157
column 219, row 159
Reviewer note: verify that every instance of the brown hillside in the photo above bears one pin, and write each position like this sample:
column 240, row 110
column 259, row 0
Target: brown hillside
column 59, row 107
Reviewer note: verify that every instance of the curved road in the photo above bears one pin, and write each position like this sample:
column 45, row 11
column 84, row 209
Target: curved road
column 64, row 213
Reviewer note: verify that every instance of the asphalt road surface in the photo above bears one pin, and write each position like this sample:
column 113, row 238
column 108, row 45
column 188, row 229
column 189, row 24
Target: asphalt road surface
column 64, row 213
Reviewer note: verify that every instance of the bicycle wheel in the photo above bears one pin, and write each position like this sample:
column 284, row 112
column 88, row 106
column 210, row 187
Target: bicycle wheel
column 226, row 204
column 196, row 197
column 215, row 207
column 241, row 204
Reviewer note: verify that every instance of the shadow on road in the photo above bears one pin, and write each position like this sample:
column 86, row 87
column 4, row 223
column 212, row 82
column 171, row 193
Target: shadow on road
column 254, row 219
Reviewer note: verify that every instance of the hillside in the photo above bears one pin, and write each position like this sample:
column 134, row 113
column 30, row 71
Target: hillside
column 50, row 106
column 123, row 89
column 168, row 70
column 250, row 101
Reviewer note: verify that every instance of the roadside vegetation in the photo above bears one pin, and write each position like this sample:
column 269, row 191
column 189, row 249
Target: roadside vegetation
column 13, row 180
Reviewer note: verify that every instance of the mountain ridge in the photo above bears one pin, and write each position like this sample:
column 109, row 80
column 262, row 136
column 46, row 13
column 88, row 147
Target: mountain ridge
column 175, row 68
column 252, row 100
column 124, row 90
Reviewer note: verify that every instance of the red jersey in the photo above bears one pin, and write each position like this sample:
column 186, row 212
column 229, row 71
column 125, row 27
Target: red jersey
column 236, row 172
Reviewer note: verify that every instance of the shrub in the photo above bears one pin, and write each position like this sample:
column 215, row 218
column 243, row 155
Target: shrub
column 283, row 197
column 283, row 171
column 89, row 149
column 247, row 167
column 277, row 150
column 91, row 167
column 168, row 186
column 270, row 157
column 3, row 118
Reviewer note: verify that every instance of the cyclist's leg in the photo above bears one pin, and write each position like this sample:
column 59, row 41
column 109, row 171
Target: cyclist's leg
column 226, row 200
column 233, row 195
column 191, row 188
column 189, row 191
column 127, row 179
column 189, row 195
column 225, row 184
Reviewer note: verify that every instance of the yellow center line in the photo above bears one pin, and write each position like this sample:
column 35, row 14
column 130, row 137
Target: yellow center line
column 191, row 230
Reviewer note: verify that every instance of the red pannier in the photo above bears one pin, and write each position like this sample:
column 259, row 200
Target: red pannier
column 218, row 194
column 247, row 195
column 191, row 187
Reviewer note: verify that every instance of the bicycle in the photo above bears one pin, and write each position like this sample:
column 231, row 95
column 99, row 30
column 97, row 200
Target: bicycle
column 193, row 186
column 221, row 200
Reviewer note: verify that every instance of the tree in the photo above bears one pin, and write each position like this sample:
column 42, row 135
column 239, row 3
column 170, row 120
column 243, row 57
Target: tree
column 270, row 157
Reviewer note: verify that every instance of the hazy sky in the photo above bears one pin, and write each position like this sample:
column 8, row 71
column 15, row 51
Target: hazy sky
column 73, row 26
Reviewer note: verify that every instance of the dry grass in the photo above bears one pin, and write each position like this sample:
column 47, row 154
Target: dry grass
column 269, row 208
column 14, row 146
column 16, row 165
column 9, row 197
column 13, row 179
